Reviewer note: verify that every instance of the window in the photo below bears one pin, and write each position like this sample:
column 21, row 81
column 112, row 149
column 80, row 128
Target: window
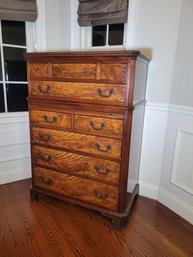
column 13, row 73
column 104, row 36
column 108, row 35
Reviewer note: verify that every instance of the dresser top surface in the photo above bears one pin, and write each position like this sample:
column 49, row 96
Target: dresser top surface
column 75, row 54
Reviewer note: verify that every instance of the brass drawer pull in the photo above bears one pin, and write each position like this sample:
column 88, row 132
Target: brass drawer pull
column 48, row 181
column 106, row 170
column 44, row 158
column 109, row 147
column 44, row 138
column 47, row 90
column 101, row 196
column 100, row 92
column 50, row 120
column 103, row 125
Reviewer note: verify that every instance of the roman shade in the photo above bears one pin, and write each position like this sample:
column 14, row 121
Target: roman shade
column 102, row 12
column 18, row 10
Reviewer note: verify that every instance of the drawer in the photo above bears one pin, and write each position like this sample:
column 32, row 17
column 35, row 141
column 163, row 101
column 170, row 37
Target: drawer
column 77, row 164
column 38, row 70
column 78, row 142
column 76, row 187
column 116, row 72
column 74, row 71
column 98, row 125
column 79, row 91
column 51, row 119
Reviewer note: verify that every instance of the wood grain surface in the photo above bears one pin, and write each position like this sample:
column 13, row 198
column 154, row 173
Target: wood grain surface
column 99, row 125
column 54, row 228
column 74, row 70
column 77, row 90
column 76, row 187
column 113, row 71
column 51, row 119
column 38, row 70
column 81, row 165
column 79, row 142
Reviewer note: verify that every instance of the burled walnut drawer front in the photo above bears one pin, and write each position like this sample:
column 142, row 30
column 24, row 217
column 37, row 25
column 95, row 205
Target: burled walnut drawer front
column 39, row 70
column 79, row 142
column 99, row 126
column 79, row 91
column 51, row 119
column 76, row 187
column 116, row 71
column 74, row 71
column 77, row 164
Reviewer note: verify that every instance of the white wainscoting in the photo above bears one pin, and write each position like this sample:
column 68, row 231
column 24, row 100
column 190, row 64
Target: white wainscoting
column 176, row 185
column 155, row 125
column 14, row 147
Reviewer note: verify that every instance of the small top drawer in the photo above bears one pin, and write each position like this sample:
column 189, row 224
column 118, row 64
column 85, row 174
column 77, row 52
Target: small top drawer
column 39, row 70
column 51, row 119
column 74, row 71
column 115, row 72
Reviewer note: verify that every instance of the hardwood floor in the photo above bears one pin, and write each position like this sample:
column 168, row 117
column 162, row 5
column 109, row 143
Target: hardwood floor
column 51, row 228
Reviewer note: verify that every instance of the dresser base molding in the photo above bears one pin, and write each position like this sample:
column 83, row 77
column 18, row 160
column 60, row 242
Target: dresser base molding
column 119, row 219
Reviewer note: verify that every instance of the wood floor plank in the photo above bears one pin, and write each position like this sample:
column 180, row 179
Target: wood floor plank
column 53, row 228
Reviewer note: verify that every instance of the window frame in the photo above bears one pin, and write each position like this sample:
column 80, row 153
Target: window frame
column 86, row 39
column 7, row 117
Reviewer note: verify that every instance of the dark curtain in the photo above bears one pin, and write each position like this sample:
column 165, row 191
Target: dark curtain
column 18, row 10
column 102, row 12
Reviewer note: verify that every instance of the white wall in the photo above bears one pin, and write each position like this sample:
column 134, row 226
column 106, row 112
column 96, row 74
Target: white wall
column 176, row 187
column 156, row 35
column 182, row 81
column 157, row 38
column 60, row 29
column 166, row 171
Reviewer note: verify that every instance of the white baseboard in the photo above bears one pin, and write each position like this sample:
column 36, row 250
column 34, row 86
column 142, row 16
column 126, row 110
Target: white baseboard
column 176, row 205
column 148, row 190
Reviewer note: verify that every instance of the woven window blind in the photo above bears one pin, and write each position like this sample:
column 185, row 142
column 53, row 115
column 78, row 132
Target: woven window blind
column 102, row 12
column 18, row 10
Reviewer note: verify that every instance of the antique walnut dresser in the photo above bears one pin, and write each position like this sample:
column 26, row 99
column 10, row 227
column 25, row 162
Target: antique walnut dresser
column 86, row 118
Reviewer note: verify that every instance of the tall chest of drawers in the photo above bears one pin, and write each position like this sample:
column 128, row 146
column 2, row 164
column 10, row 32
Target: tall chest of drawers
column 86, row 117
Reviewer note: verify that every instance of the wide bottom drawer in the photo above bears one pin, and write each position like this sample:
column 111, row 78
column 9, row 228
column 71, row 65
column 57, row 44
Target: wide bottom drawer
column 76, row 187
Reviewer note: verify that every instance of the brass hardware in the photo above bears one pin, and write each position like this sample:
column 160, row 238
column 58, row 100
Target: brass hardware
column 101, row 196
column 47, row 90
column 48, row 181
column 109, row 147
column 100, row 92
column 103, row 125
column 44, row 138
column 106, row 170
column 50, row 120
column 43, row 157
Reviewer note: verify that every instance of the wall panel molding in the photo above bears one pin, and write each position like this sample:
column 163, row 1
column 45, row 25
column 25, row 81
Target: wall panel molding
column 174, row 203
column 171, row 108
column 182, row 175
